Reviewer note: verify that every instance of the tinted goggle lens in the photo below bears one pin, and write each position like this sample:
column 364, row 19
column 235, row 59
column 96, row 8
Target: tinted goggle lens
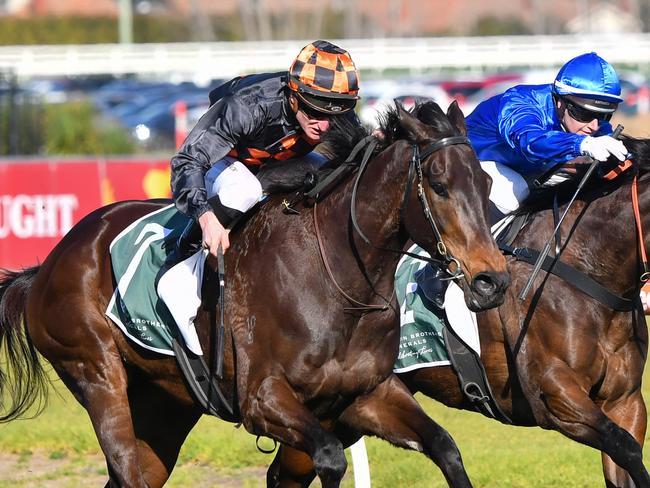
column 327, row 106
column 583, row 115
column 313, row 113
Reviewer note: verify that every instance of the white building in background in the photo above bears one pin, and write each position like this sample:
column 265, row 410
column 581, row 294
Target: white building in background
column 604, row 18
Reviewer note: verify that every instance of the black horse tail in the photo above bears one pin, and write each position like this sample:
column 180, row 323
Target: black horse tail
column 23, row 380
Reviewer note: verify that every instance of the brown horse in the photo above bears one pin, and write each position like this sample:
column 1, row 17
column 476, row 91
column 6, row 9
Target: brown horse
column 296, row 355
column 560, row 359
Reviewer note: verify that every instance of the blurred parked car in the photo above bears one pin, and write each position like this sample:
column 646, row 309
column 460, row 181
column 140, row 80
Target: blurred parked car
column 635, row 90
column 464, row 87
column 377, row 97
column 155, row 127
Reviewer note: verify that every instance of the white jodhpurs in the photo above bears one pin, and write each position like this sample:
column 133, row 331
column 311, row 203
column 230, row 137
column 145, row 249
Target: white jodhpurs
column 235, row 185
column 509, row 188
column 180, row 287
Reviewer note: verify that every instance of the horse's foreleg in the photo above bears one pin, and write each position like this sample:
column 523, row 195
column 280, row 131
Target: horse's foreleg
column 295, row 469
column 390, row 412
column 631, row 415
column 575, row 415
column 275, row 411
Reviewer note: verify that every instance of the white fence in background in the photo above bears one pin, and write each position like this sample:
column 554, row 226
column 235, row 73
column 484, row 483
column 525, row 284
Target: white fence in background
column 227, row 59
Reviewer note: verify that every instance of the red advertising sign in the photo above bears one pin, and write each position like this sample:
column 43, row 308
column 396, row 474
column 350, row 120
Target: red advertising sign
column 40, row 200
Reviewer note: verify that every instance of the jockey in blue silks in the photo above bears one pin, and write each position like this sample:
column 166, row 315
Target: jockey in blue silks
column 525, row 135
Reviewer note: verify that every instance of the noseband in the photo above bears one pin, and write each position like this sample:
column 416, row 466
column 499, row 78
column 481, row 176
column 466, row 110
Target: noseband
column 415, row 167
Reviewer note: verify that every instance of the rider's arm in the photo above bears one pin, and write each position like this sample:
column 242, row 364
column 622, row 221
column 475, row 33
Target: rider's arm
column 531, row 129
column 218, row 131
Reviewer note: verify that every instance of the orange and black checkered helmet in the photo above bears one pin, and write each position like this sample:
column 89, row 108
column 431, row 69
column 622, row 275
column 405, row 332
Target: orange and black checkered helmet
column 324, row 77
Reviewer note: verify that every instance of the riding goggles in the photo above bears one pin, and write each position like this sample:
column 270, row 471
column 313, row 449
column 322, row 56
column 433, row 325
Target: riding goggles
column 583, row 115
column 325, row 105
column 313, row 113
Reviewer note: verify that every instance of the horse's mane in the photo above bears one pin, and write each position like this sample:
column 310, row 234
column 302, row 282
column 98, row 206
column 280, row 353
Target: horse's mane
column 428, row 112
column 344, row 134
column 339, row 141
column 640, row 149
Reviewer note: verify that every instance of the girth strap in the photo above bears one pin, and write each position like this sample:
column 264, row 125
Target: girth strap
column 571, row 275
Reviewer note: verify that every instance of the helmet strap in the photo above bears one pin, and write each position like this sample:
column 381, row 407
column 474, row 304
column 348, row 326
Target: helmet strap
column 560, row 111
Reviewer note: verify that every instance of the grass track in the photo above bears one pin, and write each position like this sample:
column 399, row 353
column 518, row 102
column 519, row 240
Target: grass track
column 58, row 449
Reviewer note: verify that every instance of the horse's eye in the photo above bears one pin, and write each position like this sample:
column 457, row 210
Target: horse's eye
column 438, row 187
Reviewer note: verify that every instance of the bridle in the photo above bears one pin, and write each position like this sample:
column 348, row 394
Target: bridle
column 415, row 168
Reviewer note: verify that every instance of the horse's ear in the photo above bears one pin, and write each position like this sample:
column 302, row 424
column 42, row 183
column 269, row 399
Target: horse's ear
column 411, row 124
column 456, row 117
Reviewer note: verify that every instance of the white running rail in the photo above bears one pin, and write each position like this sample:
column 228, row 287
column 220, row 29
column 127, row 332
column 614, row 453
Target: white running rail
column 227, row 59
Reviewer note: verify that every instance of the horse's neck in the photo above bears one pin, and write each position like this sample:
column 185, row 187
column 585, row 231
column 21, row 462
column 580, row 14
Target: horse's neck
column 377, row 202
column 597, row 238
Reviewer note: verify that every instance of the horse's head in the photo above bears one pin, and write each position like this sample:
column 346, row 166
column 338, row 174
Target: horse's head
column 445, row 209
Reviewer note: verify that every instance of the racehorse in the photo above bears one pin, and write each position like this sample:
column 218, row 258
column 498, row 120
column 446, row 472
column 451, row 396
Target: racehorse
column 311, row 325
column 561, row 359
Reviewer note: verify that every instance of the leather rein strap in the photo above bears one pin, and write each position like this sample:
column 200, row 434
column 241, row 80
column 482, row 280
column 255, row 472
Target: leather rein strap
column 579, row 279
column 571, row 275
column 415, row 166
column 615, row 173
column 637, row 218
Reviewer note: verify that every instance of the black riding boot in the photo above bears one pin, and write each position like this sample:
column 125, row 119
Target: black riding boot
column 189, row 242
column 429, row 280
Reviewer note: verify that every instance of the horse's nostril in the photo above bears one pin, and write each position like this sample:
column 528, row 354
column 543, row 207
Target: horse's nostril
column 489, row 283
column 484, row 284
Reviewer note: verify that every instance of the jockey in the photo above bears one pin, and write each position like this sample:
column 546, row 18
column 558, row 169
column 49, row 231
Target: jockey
column 254, row 120
column 524, row 136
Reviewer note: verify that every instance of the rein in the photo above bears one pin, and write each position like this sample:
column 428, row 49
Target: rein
column 579, row 279
column 415, row 166
column 361, row 305
column 613, row 174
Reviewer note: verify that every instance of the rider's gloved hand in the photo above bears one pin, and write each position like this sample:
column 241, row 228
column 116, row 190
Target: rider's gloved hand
column 602, row 147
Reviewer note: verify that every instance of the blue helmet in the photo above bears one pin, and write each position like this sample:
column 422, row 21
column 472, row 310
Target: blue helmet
column 589, row 81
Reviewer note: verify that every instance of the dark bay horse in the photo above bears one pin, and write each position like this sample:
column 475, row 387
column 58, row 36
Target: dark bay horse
column 296, row 356
column 560, row 359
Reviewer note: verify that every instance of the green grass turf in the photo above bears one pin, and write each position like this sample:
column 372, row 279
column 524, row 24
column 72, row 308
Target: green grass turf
column 58, row 448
